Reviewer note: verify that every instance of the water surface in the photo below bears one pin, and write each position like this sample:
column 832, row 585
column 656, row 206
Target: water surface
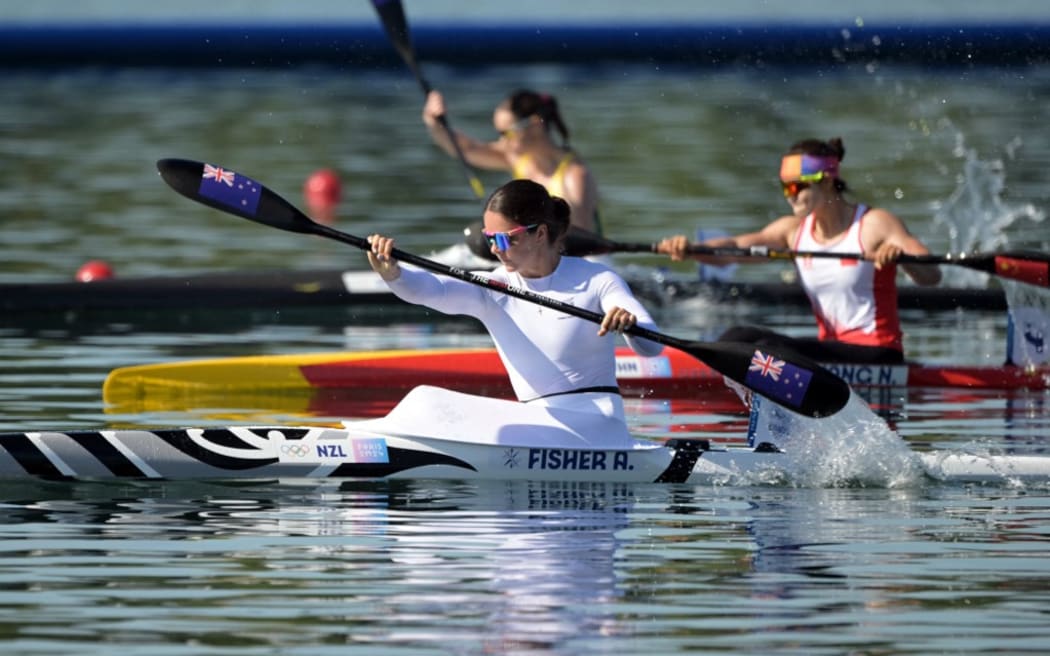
column 470, row 568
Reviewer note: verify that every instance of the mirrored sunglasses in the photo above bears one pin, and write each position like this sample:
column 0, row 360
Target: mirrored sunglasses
column 516, row 128
column 793, row 188
column 504, row 240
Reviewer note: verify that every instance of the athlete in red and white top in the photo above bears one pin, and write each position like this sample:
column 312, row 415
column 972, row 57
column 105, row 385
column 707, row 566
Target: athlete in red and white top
column 554, row 359
column 855, row 301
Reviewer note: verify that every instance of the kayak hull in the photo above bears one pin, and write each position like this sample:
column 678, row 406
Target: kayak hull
column 437, row 433
column 282, row 452
column 672, row 375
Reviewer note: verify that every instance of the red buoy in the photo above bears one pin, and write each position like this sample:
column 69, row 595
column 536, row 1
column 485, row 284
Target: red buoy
column 323, row 191
column 323, row 188
column 94, row 270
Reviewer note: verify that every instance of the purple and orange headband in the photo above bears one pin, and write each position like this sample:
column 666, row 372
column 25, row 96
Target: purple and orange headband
column 808, row 168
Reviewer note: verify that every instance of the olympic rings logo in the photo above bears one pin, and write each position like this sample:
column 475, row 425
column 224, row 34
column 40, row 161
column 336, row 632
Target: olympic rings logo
column 294, row 449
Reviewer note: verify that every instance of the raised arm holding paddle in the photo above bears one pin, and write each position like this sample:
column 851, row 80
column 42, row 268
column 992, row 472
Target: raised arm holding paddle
column 524, row 122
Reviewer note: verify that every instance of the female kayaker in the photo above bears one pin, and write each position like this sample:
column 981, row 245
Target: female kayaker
column 523, row 121
column 854, row 301
column 554, row 359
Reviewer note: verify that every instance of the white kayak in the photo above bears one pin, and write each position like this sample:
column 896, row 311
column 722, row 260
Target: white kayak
column 436, row 433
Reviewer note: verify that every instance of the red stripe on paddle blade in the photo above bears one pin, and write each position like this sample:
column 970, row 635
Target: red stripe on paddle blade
column 1033, row 272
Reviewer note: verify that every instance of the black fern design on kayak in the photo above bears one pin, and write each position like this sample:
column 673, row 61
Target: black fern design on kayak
column 400, row 460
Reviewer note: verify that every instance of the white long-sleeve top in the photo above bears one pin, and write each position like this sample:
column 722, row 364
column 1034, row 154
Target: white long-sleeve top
column 545, row 351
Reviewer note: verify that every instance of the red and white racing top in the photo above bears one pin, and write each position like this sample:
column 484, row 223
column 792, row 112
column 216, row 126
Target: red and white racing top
column 853, row 301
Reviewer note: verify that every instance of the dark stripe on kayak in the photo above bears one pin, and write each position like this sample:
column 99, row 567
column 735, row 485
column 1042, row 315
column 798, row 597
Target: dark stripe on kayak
column 181, row 440
column 31, row 458
column 686, row 453
column 227, row 438
column 400, row 460
column 115, row 461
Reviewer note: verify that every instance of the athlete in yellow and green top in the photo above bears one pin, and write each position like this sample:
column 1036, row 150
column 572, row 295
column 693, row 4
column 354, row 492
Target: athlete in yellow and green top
column 523, row 122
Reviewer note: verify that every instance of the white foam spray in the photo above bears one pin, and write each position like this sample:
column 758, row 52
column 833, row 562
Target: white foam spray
column 853, row 447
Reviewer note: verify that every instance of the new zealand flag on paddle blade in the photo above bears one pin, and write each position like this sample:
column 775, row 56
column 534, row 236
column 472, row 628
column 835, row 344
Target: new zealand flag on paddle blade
column 778, row 380
column 230, row 189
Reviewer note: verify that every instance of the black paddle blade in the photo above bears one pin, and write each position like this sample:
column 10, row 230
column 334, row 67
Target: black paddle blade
column 476, row 242
column 232, row 192
column 392, row 15
column 789, row 379
column 580, row 242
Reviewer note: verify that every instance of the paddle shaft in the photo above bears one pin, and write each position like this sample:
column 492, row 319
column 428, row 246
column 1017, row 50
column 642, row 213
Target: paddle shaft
column 1024, row 266
column 392, row 15
column 730, row 359
column 510, row 290
column 1031, row 268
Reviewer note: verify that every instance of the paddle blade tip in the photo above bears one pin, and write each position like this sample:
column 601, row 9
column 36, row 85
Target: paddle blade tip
column 827, row 396
column 1029, row 267
column 226, row 190
column 182, row 175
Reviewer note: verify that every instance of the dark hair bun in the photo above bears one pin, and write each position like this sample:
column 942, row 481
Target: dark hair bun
column 526, row 202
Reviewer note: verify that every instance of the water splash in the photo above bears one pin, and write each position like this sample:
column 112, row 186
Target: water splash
column 855, row 447
column 975, row 217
